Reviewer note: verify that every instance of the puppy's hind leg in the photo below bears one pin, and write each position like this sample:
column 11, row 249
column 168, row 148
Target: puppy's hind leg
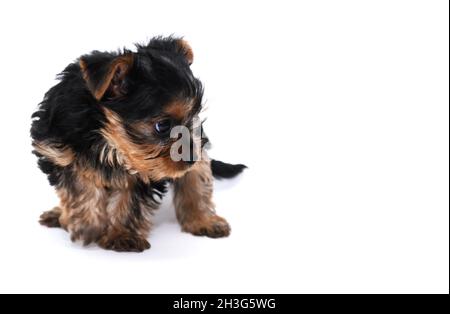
column 51, row 218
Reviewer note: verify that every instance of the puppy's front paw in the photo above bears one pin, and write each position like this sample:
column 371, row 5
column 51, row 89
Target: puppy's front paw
column 126, row 243
column 212, row 226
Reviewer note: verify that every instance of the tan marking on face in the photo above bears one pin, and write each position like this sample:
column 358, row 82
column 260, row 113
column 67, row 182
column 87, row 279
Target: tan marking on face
column 59, row 155
column 179, row 109
column 148, row 161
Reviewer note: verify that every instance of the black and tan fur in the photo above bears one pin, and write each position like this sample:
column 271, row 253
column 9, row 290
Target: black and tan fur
column 96, row 137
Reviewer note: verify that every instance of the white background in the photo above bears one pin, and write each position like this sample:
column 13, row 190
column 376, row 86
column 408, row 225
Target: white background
column 339, row 108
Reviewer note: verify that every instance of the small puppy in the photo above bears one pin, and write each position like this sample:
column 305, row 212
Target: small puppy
column 104, row 137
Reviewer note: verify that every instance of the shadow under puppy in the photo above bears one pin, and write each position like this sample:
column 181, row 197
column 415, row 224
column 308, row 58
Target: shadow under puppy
column 102, row 135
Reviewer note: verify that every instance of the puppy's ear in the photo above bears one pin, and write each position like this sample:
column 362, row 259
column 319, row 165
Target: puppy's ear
column 105, row 74
column 186, row 50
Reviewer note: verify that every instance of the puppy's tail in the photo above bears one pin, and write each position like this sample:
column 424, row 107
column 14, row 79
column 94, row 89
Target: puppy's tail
column 224, row 170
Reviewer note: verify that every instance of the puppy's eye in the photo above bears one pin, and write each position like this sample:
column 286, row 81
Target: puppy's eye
column 163, row 126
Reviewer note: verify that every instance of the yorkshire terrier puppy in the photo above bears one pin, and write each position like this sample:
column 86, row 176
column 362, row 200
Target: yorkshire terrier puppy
column 104, row 137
